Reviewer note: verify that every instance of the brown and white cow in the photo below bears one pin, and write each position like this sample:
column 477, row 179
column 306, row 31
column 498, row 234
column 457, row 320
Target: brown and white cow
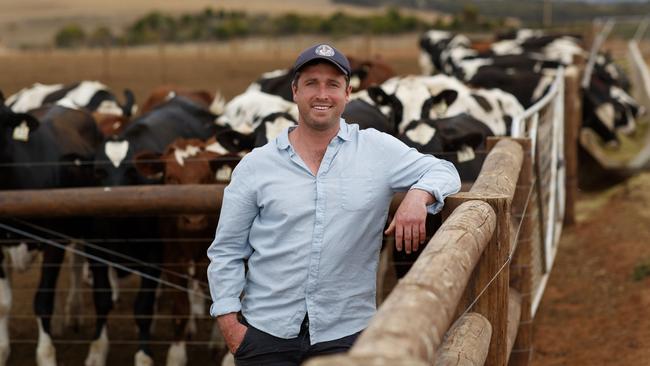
column 187, row 161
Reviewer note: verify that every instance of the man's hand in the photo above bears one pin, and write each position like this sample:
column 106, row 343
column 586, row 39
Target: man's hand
column 233, row 331
column 409, row 221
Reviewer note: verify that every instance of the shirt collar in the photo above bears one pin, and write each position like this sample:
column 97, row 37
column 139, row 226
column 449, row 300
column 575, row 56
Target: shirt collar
column 282, row 141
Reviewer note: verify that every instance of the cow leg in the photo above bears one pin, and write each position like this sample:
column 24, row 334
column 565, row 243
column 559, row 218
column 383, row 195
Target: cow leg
column 115, row 284
column 44, row 304
column 144, row 309
column 103, row 304
column 73, row 301
column 177, row 354
column 20, row 256
column 5, row 308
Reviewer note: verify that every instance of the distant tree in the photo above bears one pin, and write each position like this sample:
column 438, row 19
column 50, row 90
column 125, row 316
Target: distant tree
column 72, row 35
column 101, row 37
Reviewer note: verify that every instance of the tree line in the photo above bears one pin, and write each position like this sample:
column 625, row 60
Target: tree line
column 213, row 25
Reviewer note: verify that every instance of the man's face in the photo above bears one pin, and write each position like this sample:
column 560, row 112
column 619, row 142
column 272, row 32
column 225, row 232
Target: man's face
column 321, row 94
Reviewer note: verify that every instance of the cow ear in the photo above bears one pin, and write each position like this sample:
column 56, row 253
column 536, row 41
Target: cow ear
column 16, row 119
column 149, row 164
column 129, row 108
column 448, row 95
column 235, row 141
column 378, row 95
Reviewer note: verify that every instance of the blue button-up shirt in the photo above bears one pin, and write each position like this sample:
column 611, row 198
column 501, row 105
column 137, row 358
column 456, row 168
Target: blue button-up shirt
column 313, row 242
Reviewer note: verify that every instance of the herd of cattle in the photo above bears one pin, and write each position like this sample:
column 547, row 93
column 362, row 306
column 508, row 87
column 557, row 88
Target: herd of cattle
column 56, row 136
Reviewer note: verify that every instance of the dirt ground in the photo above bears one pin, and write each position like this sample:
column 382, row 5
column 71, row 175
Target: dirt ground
column 593, row 311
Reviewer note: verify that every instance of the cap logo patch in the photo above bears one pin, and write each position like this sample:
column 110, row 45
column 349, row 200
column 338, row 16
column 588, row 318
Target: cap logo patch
column 324, row 50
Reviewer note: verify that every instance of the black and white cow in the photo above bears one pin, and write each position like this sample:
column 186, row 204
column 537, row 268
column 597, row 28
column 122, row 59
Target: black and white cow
column 55, row 151
column 412, row 98
column 258, row 117
column 608, row 110
column 115, row 166
column 453, row 138
column 89, row 95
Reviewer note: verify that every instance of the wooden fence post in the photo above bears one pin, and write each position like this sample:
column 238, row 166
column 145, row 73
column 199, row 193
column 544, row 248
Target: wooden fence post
column 572, row 124
column 487, row 291
column 524, row 210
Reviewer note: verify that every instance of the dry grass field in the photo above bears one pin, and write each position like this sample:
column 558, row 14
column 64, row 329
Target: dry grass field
column 228, row 67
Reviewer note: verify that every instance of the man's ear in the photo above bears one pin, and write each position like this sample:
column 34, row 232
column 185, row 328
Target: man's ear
column 294, row 89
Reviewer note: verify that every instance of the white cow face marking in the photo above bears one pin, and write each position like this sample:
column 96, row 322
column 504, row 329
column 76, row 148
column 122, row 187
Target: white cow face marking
column 422, row 134
column 181, row 154
column 116, row 151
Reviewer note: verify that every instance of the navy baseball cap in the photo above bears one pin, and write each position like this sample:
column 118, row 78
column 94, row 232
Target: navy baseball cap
column 323, row 52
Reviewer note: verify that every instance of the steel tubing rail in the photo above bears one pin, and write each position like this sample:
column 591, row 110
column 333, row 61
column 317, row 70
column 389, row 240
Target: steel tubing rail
column 113, row 201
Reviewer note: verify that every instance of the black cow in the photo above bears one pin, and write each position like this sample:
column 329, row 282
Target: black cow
column 114, row 166
column 55, row 152
column 368, row 115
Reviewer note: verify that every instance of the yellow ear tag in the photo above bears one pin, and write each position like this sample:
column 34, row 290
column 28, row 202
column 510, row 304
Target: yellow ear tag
column 21, row 132
column 466, row 153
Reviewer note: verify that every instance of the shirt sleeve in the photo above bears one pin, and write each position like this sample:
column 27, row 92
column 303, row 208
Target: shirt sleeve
column 226, row 272
column 410, row 169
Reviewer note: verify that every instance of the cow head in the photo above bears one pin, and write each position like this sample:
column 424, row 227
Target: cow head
column 453, row 138
column 609, row 110
column 189, row 161
column 245, row 112
column 366, row 73
column 15, row 126
column 114, row 165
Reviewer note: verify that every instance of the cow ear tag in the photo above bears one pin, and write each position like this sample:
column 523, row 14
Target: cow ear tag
column 21, row 132
column 439, row 109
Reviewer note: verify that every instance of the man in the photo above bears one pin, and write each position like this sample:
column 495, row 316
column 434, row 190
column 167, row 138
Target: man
column 307, row 211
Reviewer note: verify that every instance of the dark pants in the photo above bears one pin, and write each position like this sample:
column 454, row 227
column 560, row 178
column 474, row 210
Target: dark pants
column 260, row 348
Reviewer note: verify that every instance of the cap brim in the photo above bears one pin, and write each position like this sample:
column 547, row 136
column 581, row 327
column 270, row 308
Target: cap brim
column 341, row 68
